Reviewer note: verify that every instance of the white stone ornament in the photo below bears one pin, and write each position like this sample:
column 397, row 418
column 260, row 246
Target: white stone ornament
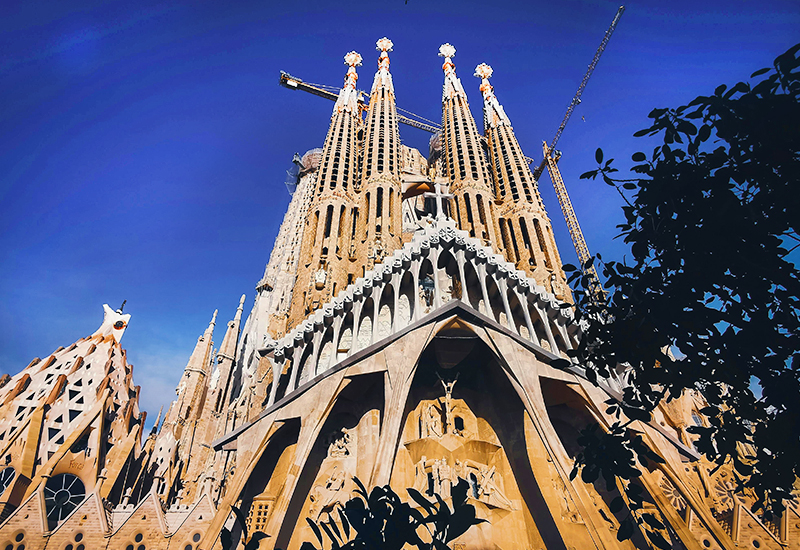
column 447, row 50
column 483, row 71
column 384, row 45
column 114, row 323
column 352, row 59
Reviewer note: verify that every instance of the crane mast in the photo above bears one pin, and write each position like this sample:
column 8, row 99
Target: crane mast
column 551, row 156
column 577, row 99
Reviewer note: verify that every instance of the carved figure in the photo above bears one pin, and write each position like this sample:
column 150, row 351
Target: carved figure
column 432, row 422
column 445, row 482
column 325, row 497
column 448, row 404
column 420, row 475
column 340, row 446
column 490, row 491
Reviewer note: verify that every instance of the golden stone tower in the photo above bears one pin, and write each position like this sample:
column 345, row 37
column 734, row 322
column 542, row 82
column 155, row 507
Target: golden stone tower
column 405, row 333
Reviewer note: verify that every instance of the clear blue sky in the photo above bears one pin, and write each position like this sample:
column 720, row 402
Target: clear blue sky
column 143, row 145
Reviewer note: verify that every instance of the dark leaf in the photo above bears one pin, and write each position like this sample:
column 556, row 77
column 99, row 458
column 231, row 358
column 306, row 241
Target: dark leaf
column 317, row 532
column 652, row 521
column 638, row 157
column 598, row 155
column 241, row 519
column 625, row 530
column 226, row 539
column 421, row 500
column 345, row 523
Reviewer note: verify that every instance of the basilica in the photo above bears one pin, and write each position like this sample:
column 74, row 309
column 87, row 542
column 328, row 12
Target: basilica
column 407, row 332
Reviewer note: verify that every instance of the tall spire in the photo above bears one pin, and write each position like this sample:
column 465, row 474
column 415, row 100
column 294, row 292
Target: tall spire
column 192, row 387
column 348, row 96
column 493, row 113
column 327, row 236
column 524, row 226
column 378, row 215
column 464, row 160
column 452, row 84
column 383, row 77
column 226, row 356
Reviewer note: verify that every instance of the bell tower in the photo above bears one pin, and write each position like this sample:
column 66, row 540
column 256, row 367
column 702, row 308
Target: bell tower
column 379, row 220
column 525, row 228
column 324, row 265
column 465, row 161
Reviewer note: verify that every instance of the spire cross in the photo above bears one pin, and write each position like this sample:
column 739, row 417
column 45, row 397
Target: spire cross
column 438, row 195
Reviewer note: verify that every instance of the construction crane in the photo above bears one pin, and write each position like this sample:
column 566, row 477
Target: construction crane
column 551, row 156
column 332, row 93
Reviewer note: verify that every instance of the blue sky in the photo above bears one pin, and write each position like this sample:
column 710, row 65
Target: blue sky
column 143, row 145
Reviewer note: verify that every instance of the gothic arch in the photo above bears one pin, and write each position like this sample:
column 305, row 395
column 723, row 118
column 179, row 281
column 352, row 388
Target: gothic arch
column 405, row 300
column 365, row 324
column 472, row 293
column 385, row 314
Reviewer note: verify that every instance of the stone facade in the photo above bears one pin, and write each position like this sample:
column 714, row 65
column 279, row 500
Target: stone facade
column 404, row 333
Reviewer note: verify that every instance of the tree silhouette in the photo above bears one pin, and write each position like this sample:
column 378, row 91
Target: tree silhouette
column 379, row 520
column 710, row 297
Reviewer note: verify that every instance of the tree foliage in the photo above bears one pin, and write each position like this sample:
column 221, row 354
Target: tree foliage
column 709, row 299
column 381, row 521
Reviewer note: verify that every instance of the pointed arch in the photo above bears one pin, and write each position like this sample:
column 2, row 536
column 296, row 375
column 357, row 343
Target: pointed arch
column 405, row 300
column 365, row 324
column 385, row 313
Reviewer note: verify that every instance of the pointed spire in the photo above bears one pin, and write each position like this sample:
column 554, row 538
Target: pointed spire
column 452, row 84
column 238, row 316
column 154, row 429
column 348, row 97
column 382, row 76
column 213, row 319
column 493, row 113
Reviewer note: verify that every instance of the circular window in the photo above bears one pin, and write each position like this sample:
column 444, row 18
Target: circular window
column 10, row 547
column 62, row 494
column 80, row 547
column 19, row 537
column 138, row 537
column 129, row 547
column 6, row 477
column 78, row 537
column 196, row 537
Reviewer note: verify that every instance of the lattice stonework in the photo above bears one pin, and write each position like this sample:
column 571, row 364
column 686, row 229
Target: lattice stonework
column 259, row 512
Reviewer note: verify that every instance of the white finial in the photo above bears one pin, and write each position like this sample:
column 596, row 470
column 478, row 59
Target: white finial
column 352, row 59
column 384, row 45
column 241, row 301
column 348, row 97
column 214, row 318
column 447, row 50
column 494, row 114
column 483, row 71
